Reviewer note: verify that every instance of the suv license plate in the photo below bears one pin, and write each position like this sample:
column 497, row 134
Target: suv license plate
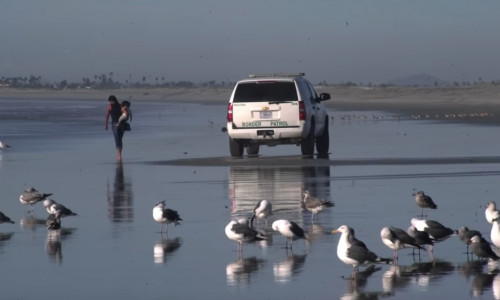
column 266, row 114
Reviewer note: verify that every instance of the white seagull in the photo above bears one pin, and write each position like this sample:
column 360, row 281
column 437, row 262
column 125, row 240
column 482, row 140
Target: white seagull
column 396, row 238
column 495, row 233
column 262, row 210
column 57, row 209
column 491, row 213
column 5, row 219
column 424, row 201
column 355, row 254
column 241, row 232
column 165, row 215
column 436, row 231
column 314, row 204
column 4, row 146
column 32, row 196
column 290, row 230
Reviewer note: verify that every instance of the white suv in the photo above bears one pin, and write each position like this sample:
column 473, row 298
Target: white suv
column 277, row 109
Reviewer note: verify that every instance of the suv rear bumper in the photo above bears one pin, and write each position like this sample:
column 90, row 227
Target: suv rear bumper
column 262, row 134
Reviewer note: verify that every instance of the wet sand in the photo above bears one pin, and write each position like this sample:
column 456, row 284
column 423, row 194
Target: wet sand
column 115, row 246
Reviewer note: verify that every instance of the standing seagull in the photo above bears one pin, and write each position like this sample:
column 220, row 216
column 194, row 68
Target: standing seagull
column 262, row 210
column 355, row 254
column 495, row 233
column 481, row 248
column 290, row 230
column 5, row 219
column 491, row 213
column 437, row 232
column 32, row 196
column 424, row 201
column 466, row 235
column 397, row 238
column 421, row 237
column 4, row 146
column 240, row 232
column 315, row 205
column 165, row 215
column 57, row 209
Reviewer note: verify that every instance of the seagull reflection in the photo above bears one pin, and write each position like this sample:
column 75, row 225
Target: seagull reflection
column 238, row 272
column 164, row 248
column 53, row 244
column 482, row 282
column 471, row 268
column 30, row 222
column 421, row 274
column 425, row 272
column 355, row 286
column 120, row 199
column 292, row 265
column 496, row 287
column 396, row 277
column 5, row 237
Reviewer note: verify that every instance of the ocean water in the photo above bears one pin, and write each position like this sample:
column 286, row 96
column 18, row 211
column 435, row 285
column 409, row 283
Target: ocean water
column 114, row 249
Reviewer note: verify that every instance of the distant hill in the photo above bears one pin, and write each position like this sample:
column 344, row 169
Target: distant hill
column 423, row 80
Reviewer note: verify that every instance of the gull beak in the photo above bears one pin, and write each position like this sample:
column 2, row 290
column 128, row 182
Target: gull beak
column 335, row 231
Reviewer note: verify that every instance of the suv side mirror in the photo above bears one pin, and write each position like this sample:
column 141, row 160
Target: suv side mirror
column 324, row 96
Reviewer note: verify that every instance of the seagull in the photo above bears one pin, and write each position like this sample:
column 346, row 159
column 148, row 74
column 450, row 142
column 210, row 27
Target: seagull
column 165, row 215
column 465, row 235
column 495, row 233
column 315, row 205
column 353, row 254
column 396, row 238
column 421, row 237
column 491, row 212
column 241, row 232
column 32, row 196
column 290, row 230
column 4, row 146
column 424, row 201
column 54, row 208
column 437, row 231
column 262, row 210
column 5, row 219
column 481, row 248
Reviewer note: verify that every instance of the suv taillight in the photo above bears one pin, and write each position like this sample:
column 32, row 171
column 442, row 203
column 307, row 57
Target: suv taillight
column 230, row 112
column 302, row 111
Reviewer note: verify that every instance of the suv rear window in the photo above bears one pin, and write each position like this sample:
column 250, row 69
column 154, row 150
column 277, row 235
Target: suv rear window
column 265, row 91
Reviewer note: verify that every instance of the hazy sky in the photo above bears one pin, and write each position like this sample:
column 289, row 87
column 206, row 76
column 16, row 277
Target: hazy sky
column 224, row 40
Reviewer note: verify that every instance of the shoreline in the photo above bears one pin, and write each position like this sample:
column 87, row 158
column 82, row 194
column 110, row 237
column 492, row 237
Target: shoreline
column 478, row 103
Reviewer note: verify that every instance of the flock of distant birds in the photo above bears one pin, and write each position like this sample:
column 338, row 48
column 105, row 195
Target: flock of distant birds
column 448, row 116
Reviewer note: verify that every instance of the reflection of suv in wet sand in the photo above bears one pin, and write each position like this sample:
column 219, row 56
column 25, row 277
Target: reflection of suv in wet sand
column 277, row 109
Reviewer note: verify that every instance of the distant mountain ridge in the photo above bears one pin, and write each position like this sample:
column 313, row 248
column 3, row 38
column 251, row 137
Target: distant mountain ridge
column 423, row 80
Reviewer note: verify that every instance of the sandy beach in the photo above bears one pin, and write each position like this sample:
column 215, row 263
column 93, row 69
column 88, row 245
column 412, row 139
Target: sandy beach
column 480, row 102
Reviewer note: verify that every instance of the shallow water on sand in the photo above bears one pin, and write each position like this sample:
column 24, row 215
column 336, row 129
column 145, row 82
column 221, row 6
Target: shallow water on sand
column 114, row 249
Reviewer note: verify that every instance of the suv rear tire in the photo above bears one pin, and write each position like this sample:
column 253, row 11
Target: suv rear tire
column 253, row 149
column 323, row 141
column 307, row 144
column 235, row 148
